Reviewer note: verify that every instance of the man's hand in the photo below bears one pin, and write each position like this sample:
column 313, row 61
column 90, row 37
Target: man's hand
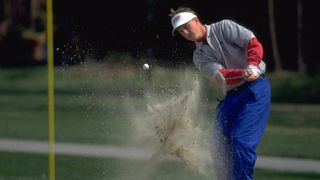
column 251, row 73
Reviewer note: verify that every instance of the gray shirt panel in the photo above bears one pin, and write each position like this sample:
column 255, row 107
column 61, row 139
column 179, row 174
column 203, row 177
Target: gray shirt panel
column 227, row 48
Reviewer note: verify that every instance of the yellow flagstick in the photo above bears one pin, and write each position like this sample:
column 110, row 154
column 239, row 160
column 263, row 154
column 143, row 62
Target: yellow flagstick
column 51, row 91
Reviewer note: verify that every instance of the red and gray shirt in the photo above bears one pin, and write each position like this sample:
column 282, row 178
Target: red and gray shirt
column 228, row 49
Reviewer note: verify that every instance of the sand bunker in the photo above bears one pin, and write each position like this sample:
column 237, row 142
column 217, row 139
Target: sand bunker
column 172, row 127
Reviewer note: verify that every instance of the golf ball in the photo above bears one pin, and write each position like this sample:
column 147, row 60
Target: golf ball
column 145, row 66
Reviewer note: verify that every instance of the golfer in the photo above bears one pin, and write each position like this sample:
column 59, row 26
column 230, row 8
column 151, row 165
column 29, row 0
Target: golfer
column 230, row 55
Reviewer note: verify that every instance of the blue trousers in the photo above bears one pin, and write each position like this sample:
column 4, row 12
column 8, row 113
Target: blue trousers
column 240, row 123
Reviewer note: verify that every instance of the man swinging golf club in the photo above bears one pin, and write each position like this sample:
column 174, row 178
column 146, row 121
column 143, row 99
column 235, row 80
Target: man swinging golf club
column 231, row 55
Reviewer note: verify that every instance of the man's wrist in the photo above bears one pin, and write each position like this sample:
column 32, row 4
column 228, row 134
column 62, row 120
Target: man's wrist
column 254, row 69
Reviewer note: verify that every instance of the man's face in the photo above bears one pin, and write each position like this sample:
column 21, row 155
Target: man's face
column 192, row 30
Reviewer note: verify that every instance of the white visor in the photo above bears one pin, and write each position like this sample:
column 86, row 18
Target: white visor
column 180, row 19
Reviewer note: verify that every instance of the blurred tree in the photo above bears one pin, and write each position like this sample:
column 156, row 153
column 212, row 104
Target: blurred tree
column 273, row 34
column 301, row 63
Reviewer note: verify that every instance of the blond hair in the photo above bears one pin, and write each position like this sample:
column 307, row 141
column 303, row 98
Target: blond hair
column 181, row 9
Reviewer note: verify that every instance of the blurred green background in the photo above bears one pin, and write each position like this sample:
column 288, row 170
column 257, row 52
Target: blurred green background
column 89, row 110
column 98, row 72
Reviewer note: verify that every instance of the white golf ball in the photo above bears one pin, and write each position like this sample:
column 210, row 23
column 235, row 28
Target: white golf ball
column 145, row 66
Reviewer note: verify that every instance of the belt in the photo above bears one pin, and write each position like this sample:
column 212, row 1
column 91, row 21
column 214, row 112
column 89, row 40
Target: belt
column 238, row 88
column 242, row 85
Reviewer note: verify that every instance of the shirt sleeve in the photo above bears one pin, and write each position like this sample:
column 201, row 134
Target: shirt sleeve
column 230, row 76
column 215, row 71
column 236, row 34
column 206, row 64
column 255, row 52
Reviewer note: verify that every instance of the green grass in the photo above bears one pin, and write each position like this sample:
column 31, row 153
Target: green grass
column 34, row 167
column 292, row 131
column 89, row 109
column 292, row 87
column 291, row 142
column 261, row 174
column 295, row 115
